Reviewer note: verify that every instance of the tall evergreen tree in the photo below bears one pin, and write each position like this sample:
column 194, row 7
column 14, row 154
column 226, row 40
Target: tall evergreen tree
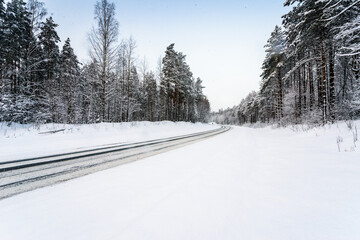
column 2, row 42
column 170, row 75
column 16, row 36
column 34, row 60
column 2, row 11
column 150, row 94
column 15, row 39
column 49, row 39
column 91, row 92
column 272, row 85
column 69, row 78
column 130, row 79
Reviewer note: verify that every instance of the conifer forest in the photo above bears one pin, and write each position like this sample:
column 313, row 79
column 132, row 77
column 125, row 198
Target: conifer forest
column 42, row 80
column 311, row 72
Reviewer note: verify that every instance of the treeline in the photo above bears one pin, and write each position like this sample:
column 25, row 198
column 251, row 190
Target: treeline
column 41, row 83
column 311, row 70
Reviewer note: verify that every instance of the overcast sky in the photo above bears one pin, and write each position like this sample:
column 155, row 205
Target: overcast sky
column 223, row 40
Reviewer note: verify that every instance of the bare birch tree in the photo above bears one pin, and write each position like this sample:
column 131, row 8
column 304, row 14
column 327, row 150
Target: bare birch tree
column 103, row 40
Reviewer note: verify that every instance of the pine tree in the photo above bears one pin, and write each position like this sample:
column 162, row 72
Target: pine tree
column 346, row 19
column 134, row 96
column 49, row 39
column 180, row 97
column 120, row 86
column 202, row 104
column 91, row 92
column 131, row 79
column 2, row 11
column 150, row 94
column 2, row 43
column 16, row 36
column 170, row 75
column 69, row 84
column 272, row 85
column 15, row 39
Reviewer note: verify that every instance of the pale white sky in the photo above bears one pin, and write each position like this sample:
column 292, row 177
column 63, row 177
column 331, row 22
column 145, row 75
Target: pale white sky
column 223, row 39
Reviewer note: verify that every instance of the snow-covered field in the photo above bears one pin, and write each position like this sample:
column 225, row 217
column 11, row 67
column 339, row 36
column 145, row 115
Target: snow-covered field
column 245, row 184
column 25, row 141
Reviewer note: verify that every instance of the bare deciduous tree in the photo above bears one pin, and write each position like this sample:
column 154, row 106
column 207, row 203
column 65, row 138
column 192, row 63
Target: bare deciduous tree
column 103, row 40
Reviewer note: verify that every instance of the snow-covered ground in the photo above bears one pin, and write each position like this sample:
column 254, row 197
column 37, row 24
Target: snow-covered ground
column 245, row 184
column 24, row 141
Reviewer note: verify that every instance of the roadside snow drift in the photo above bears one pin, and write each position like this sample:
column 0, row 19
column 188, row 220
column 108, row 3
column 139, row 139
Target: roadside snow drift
column 246, row 184
column 25, row 141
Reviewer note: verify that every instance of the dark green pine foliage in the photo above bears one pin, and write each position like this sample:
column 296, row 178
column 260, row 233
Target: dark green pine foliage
column 49, row 39
column 202, row 105
column 346, row 21
column 15, row 102
column 150, row 97
column 181, row 98
column 133, row 97
column 2, row 11
column 35, row 82
column 2, row 44
column 16, row 35
column 2, row 57
column 346, row 28
column 69, row 96
column 307, row 38
column 31, row 71
column 91, row 93
column 167, row 85
column 183, row 89
column 271, row 88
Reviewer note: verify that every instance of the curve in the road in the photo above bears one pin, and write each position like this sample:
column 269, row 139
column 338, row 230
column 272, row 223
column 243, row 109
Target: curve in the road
column 28, row 174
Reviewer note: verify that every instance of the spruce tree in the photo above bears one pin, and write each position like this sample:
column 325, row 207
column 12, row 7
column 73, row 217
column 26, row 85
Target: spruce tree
column 2, row 42
column 150, row 94
column 49, row 39
column 15, row 39
column 91, row 92
column 69, row 79
column 272, row 84
column 170, row 75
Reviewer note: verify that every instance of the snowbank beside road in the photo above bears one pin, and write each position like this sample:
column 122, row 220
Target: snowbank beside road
column 24, row 141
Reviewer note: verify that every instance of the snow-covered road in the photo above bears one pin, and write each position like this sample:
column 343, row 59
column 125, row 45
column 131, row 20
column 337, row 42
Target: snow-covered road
column 244, row 184
column 29, row 174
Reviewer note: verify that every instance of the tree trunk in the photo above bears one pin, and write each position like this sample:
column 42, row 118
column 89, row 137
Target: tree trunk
column 304, row 89
column 299, row 93
column 311, row 87
column 323, row 69
column 331, row 83
column 280, row 95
